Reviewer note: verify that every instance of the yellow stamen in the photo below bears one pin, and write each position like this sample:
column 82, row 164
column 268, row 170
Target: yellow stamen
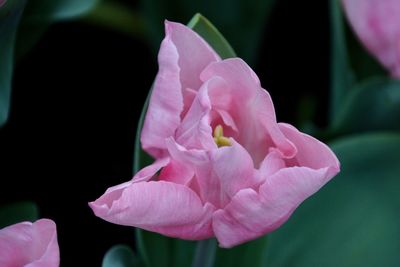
column 219, row 137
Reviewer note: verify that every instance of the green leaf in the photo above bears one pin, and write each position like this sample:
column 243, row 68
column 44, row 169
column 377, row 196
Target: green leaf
column 157, row 250
column 22, row 23
column 354, row 220
column 205, row 29
column 53, row 10
column 242, row 21
column 10, row 15
column 154, row 249
column 372, row 105
column 342, row 77
column 253, row 252
column 18, row 212
column 120, row 256
column 362, row 62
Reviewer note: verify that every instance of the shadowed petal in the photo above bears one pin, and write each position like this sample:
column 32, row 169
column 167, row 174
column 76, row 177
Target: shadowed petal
column 377, row 25
column 29, row 244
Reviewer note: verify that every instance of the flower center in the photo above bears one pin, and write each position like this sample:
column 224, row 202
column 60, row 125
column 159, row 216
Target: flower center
column 219, row 137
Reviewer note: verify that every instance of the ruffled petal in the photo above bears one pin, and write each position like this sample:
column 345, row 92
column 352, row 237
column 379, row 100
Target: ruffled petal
column 29, row 244
column 250, row 214
column 251, row 109
column 310, row 152
column 182, row 57
column 157, row 206
column 195, row 131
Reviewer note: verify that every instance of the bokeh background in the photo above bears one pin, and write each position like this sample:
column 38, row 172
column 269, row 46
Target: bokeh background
column 79, row 89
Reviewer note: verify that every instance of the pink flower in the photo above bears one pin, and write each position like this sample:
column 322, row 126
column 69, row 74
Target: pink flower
column 29, row 244
column 224, row 167
column 2, row 2
column 377, row 24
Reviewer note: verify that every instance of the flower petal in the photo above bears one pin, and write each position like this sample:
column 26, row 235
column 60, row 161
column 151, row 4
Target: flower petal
column 182, row 57
column 311, row 152
column 176, row 172
column 195, row 131
column 252, row 110
column 29, row 244
column 377, row 24
column 160, row 206
column 233, row 167
column 250, row 214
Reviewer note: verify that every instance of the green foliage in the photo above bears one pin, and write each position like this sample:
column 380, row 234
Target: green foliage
column 120, row 256
column 22, row 23
column 372, row 105
column 342, row 77
column 18, row 212
column 352, row 221
column 253, row 252
column 10, row 16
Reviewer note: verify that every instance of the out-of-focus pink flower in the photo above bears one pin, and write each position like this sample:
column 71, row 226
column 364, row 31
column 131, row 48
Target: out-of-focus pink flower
column 2, row 2
column 377, row 25
column 29, row 244
column 224, row 167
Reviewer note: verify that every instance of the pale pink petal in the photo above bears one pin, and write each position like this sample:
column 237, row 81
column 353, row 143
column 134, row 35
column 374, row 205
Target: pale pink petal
column 29, row 244
column 195, row 131
column 166, row 102
column 233, row 167
column 177, row 172
column 311, row 152
column 250, row 214
column 148, row 172
column 194, row 54
column 205, row 183
column 182, row 57
column 144, row 174
column 186, row 156
column 251, row 109
column 155, row 206
column 377, row 24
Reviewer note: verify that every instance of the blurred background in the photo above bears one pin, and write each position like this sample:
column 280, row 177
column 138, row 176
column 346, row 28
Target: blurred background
column 78, row 91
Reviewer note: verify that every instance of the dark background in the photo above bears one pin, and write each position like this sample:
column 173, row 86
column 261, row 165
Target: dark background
column 77, row 97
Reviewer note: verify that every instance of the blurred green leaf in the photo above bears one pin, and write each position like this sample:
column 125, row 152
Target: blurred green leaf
column 22, row 23
column 154, row 249
column 10, row 15
column 157, row 250
column 354, row 220
column 39, row 14
column 342, row 77
column 120, row 256
column 241, row 21
column 18, row 212
column 52, row 10
column 253, row 252
column 361, row 61
column 371, row 105
column 118, row 17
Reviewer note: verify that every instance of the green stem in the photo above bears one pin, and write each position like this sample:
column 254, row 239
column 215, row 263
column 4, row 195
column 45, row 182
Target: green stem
column 117, row 17
column 205, row 253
